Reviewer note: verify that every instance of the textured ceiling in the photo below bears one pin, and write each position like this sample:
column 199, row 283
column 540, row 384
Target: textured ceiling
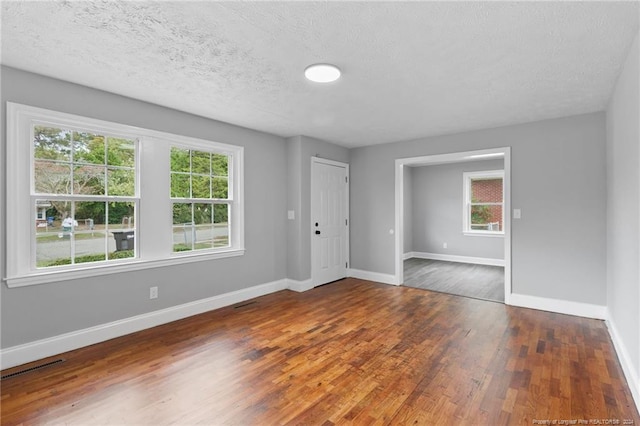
column 410, row 69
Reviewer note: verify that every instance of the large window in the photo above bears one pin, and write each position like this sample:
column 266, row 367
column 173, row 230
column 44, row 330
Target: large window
column 200, row 197
column 87, row 181
column 483, row 208
column 87, row 197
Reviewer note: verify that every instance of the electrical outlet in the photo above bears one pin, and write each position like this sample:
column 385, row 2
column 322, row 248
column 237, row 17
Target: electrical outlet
column 444, row 245
column 153, row 292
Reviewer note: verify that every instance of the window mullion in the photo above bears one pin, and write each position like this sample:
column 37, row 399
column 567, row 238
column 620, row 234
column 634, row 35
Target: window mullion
column 71, row 165
column 155, row 205
column 72, row 237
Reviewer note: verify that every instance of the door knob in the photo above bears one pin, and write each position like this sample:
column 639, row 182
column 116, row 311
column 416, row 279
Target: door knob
column 317, row 232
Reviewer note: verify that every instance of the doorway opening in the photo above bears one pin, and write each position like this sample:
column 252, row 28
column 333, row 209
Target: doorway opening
column 469, row 257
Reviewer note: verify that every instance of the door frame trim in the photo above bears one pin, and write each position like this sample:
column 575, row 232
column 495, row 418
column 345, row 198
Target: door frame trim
column 318, row 160
column 454, row 157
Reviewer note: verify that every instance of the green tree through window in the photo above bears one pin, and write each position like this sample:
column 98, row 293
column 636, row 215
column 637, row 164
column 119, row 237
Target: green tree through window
column 200, row 195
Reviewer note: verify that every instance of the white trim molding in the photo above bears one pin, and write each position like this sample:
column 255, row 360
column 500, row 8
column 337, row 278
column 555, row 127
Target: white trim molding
column 372, row 276
column 630, row 373
column 33, row 351
column 47, row 277
column 567, row 307
column 299, row 286
column 454, row 258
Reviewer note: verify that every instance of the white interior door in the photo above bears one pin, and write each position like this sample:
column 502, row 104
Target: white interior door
column 329, row 220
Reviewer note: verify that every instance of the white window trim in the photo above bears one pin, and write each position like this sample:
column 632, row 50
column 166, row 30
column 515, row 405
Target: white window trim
column 466, row 206
column 234, row 231
column 154, row 249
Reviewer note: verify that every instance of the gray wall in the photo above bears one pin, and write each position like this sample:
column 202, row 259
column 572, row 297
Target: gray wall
column 437, row 211
column 623, row 208
column 558, row 171
column 35, row 312
column 300, row 149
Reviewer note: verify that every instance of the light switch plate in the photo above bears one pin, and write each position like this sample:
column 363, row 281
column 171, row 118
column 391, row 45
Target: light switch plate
column 517, row 214
column 291, row 214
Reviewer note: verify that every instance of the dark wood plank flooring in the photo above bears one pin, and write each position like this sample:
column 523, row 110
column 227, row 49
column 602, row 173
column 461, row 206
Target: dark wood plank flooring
column 463, row 279
column 352, row 352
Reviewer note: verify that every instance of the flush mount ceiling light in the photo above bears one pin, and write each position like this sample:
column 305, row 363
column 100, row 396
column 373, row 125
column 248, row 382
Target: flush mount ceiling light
column 322, row 73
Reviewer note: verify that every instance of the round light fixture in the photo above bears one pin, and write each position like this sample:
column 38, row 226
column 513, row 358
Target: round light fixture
column 322, row 73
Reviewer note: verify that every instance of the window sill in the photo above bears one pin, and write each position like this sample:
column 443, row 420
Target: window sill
column 45, row 277
column 483, row 234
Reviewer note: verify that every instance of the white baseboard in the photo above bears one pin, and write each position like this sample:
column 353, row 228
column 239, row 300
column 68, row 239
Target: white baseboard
column 454, row 258
column 372, row 276
column 299, row 286
column 579, row 309
column 32, row 351
column 633, row 379
column 407, row 255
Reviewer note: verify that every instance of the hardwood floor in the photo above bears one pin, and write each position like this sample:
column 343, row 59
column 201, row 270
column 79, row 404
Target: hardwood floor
column 352, row 352
column 463, row 279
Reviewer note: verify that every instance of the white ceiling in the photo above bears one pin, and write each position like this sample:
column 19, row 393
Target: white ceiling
column 410, row 69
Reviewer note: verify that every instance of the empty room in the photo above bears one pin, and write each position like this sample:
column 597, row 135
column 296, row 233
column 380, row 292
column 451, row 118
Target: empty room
column 453, row 227
column 319, row 212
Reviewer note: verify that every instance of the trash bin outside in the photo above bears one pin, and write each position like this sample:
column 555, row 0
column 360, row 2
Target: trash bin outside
column 125, row 240
column 189, row 232
column 68, row 226
column 66, row 232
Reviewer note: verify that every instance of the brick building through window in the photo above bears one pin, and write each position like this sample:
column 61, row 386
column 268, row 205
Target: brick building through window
column 484, row 200
column 489, row 190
